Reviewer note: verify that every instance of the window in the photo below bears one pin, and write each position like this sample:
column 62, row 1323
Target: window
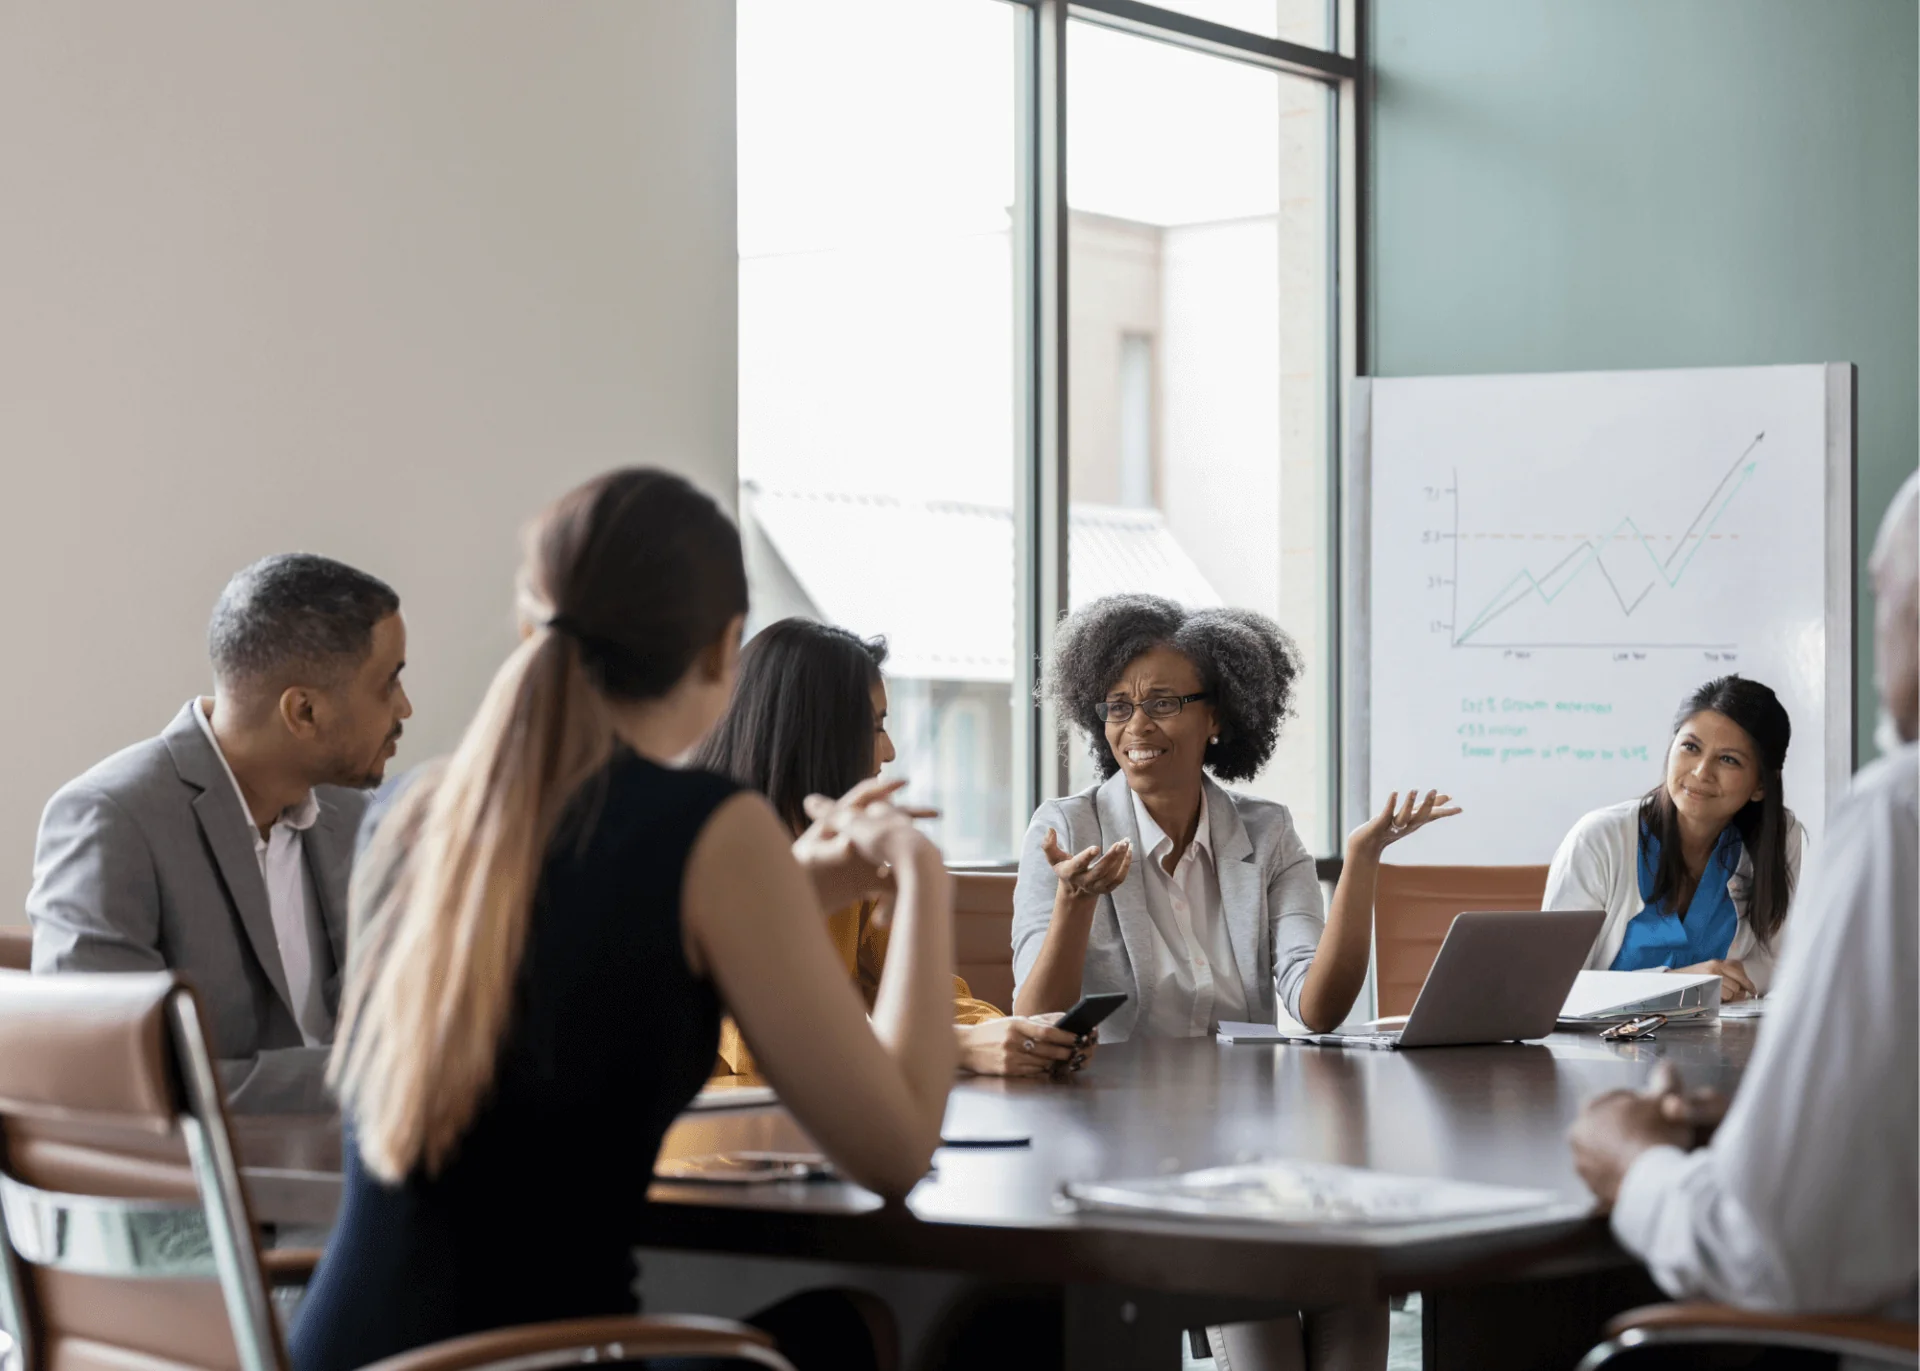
column 903, row 415
column 877, row 364
column 1197, row 284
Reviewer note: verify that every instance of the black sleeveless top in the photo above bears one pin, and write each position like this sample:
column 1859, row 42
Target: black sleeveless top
column 536, row 1214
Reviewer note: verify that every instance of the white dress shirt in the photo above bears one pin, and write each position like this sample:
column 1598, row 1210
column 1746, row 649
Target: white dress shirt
column 1807, row 1200
column 1196, row 980
column 283, row 867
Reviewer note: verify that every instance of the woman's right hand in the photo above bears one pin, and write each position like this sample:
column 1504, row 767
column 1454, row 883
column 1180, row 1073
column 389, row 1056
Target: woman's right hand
column 1090, row 872
column 866, row 822
column 1021, row 1047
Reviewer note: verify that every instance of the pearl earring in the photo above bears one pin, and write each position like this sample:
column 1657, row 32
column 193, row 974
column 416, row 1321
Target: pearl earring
column 1216, row 738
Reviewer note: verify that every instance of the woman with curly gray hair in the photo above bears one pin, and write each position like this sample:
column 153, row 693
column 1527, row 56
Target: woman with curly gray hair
column 1225, row 920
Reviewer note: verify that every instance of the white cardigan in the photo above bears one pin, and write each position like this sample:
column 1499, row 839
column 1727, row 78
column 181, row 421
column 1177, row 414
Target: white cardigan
column 1598, row 867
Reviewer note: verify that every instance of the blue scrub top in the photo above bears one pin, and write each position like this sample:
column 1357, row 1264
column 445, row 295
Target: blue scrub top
column 1658, row 937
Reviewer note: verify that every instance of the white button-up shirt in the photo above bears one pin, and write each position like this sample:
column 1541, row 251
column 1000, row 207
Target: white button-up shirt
column 283, row 868
column 1196, row 982
column 1807, row 1200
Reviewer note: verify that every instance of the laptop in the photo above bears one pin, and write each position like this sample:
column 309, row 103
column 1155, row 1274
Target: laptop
column 1500, row 977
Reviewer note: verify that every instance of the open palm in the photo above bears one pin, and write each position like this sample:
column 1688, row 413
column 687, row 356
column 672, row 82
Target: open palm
column 1398, row 819
column 1091, row 871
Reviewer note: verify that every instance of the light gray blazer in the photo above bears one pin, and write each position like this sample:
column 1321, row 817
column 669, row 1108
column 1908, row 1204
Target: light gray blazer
column 1269, row 896
column 144, row 864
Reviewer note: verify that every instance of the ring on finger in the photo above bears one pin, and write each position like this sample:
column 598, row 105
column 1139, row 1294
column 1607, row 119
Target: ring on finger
column 1027, row 1046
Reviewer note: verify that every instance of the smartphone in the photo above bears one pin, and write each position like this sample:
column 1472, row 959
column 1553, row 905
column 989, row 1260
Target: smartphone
column 1086, row 1016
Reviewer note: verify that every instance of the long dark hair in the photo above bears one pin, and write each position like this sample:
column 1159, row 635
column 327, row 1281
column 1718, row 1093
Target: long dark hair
column 1762, row 823
column 801, row 721
column 624, row 583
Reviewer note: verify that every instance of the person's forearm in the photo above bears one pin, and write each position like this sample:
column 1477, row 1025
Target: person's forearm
column 913, row 1008
column 1054, row 982
column 1339, row 966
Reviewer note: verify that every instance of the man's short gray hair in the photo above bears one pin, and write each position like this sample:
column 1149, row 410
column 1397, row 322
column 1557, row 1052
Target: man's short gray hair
column 1896, row 550
column 295, row 618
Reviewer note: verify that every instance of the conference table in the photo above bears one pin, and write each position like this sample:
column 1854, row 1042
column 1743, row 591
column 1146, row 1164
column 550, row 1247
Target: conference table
column 1529, row 1290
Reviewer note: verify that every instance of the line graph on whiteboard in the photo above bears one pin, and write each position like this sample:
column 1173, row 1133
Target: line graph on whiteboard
column 1612, row 584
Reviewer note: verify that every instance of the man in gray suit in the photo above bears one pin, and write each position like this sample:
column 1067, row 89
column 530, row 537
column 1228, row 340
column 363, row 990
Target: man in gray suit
column 221, row 848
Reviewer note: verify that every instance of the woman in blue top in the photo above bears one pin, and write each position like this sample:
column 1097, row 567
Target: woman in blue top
column 1695, row 875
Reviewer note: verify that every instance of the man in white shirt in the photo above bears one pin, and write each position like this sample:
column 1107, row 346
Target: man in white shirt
column 1807, row 1199
column 221, row 849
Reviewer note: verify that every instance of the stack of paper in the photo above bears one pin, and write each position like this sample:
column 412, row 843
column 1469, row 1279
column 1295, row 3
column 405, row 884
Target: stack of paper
column 730, row 1092
column 1612, row 996
column 1316, row 1194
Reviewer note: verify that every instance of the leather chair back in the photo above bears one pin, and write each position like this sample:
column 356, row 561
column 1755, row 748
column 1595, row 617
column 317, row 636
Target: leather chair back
column 1413, row 906
column 983, row 934
column 126, row 1239
column 16, row 949
column 120, row 1199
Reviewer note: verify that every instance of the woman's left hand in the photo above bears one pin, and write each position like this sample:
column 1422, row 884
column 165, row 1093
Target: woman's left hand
column 1397, row 820
column 1735, row 983
column 1029, row 1046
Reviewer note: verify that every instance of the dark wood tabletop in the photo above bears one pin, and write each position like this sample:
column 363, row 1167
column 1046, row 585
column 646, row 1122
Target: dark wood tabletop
column 1493, row 1114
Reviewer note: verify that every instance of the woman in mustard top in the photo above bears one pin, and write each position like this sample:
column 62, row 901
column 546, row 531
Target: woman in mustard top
column 809, row 716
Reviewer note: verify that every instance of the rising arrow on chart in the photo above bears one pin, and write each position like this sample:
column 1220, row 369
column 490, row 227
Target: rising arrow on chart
column 1550, row 584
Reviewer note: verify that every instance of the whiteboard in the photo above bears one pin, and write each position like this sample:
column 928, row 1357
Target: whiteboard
column 1540, row 568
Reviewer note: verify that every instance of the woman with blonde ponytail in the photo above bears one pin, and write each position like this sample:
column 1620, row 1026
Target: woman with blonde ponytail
column 546, row 928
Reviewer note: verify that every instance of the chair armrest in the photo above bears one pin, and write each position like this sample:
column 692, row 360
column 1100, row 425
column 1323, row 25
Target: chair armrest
column 571, row 1342
column 1880, row 1340
column 289, row 1265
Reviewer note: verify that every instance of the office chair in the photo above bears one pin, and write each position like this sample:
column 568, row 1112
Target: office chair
column 126, row 1237
column 1677, row 1327
column 1415, row 905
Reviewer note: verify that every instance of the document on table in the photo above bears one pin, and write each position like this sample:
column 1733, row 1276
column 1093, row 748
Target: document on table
column 1604, row 996
column 723, row 1093
column 1232, row 1031
column 1311, row 1194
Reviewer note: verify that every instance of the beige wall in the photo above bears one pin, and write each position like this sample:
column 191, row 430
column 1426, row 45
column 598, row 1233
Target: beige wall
column 362, row 278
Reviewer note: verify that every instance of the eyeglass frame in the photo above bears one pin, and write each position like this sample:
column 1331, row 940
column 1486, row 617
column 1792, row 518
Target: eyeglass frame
column 1635, row 1029
column 1102, row 708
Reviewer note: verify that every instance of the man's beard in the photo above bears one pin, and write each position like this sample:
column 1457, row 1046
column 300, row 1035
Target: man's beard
column 372, row 775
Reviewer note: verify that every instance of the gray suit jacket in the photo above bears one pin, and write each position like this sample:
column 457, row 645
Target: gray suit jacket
column 1269, row 897
column 144, row 864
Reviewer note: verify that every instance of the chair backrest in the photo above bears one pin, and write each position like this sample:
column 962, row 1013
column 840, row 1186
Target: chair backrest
column 1413, row 906
column 125, row 1236
column 983, row 934
column 16, row 949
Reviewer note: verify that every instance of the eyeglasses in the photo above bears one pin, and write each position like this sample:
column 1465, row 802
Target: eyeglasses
column 1158, row 707
column 1635, row 1028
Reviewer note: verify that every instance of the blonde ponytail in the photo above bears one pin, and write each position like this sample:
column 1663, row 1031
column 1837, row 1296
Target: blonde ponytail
column 441, row 906
column 627, row 578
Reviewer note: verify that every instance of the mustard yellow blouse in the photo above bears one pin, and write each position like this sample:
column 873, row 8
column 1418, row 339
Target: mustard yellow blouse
column 863, row 950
